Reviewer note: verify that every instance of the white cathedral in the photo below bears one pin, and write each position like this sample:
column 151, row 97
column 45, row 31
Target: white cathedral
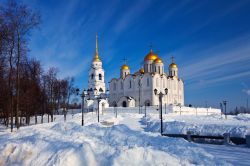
column 132, row 90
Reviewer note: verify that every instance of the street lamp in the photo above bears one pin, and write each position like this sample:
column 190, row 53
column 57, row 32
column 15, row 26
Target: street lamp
column 99, row 98
column 139, row 85
column 225, row 104
column 160, row 100
column 83, row 95
column 221, row 108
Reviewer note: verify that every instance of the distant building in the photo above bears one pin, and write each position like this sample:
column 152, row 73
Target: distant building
column 132, row 90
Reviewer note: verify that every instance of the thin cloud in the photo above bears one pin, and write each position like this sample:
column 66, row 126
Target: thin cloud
column 129, row 16
column 247, row 91
column 224, row 62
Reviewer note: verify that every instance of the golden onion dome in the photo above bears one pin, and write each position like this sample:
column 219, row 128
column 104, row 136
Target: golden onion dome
column 125, row 67
column 151, row 56
column 141, row 71
column 158, row 60
column 96, row 58
column 173, row 65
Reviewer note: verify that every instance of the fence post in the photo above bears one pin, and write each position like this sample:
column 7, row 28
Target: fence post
column 248, row 140
column 226, row 138
column 189, row 137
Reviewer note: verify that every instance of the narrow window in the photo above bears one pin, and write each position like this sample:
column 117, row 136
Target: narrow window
column 100, row 77
column 147, row 81
column 92, row 76
column 130, row 84
column 159, row 68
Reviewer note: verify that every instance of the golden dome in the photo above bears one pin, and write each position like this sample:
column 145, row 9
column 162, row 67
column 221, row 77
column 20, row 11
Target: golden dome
column 141, row 71
column 125, row 67
column 173, row 65
column 96, row 58
column 151, row 56
column 158, row 60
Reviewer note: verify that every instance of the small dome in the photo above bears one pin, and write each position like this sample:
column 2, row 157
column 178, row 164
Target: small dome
column 173, row 65
column 125, row 67
column 158, row 60
column 141, row 71
column 151, row 56
column 96, row 58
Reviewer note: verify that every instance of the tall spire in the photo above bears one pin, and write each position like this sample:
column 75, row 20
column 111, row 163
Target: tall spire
column 96, row 58
column 96, row 44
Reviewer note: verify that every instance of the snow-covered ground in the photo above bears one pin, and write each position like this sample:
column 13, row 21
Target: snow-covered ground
column 237, row 126
column 125, row 140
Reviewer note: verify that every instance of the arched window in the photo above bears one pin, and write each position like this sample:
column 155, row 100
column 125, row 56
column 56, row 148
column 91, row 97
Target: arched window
column 159, row 68
column 121, row 85
column 100, row 90
column 130, row 84
column 100, row 77
column 92, row 76
column 147, row 81
column 124, row 104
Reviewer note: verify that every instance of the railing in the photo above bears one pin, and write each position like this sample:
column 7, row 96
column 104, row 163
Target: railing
column 149, row 109
column 225, row 139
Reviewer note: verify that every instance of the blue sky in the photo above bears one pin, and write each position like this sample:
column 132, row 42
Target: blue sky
column 209, row 39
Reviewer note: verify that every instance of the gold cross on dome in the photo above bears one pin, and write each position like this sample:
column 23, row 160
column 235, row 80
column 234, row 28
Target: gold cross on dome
column 172, row 59
column 124, row 60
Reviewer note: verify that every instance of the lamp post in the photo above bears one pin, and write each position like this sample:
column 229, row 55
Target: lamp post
column 225, row 104
column 99, row 98
column 139, row 85
column 160, row 102
column 221, row 108
column 83, row 95
column 98, row 114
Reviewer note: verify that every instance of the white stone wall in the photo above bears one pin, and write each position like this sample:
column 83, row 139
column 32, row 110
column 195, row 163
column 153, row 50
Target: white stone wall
column 169, row 109
column 194, row 110
column 149, row 83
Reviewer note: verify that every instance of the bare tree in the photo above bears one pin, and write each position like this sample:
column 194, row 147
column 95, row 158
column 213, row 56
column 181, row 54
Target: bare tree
column 22, row 20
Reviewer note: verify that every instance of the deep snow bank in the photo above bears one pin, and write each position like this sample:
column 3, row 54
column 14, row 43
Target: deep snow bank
column 71, row 144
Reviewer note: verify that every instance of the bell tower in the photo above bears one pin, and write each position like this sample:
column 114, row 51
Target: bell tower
column 96, row 84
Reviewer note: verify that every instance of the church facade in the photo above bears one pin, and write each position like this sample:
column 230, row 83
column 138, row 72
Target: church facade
column 132, row 90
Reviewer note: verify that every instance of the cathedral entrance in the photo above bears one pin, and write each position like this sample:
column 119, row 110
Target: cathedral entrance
column 124, row 104
column 147, row 103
